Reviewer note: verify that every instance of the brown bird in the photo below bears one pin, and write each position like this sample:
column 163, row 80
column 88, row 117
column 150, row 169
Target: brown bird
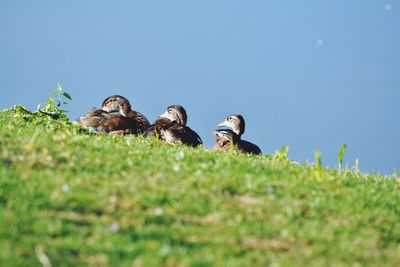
column 171, row 127
column 115, row 117
column 119, row 103
column 235, row 123
column 229, row 133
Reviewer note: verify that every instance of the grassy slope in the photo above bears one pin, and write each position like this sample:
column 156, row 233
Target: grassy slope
column 86, row 199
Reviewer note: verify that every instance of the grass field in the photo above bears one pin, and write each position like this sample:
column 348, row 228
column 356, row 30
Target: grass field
column 71, row 198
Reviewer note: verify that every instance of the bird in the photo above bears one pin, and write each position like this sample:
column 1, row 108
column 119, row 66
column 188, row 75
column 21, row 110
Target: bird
column 234, row 122
column 115, row 117
column 119, row 103
column 225, row 140
column 229, row 135
column 171, row 127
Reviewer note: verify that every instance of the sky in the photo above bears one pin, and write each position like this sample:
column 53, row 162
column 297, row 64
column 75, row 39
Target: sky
column 310, row 75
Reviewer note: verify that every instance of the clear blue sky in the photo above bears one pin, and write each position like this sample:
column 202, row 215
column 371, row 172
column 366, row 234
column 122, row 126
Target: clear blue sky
column 312, row 75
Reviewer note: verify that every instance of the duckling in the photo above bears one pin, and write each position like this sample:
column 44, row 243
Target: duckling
column 229, row 134
column 174, row 114
column 171, row 127
column 225, row 140
column 93, row 118
column 115, row 117
column 99, row 120
column 235, row 123
column 119, row 103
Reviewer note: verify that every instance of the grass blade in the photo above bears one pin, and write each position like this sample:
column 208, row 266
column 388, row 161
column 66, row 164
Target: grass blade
column 340, row 156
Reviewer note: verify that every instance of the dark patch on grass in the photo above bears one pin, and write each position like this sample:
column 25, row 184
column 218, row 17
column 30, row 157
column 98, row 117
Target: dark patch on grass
column 7, row 162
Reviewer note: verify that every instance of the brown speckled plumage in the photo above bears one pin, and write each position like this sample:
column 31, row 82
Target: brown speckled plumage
column 115, row 117
column 226, row 140
column 121, row 104
column 171, row 127
column 229, row 134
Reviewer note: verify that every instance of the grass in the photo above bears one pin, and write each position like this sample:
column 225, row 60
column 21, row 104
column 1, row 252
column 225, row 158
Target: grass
column 71, row 198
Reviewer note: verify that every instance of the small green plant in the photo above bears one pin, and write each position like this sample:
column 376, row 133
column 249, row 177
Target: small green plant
column 347, row 169
column 340, row 156
column 318, row 160
column 54, row 103
column 281, row 154
column 318, row 169
column 395, row 174
column 356, row 167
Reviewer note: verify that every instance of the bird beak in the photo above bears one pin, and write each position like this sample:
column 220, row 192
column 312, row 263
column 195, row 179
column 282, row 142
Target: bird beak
column 226, row 125
column 164, row 115
column 223, row 124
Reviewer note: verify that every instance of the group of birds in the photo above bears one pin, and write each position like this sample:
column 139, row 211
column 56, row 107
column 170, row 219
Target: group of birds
column 117, row 117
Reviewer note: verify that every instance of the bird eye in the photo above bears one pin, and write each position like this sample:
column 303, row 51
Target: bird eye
column 229, row 118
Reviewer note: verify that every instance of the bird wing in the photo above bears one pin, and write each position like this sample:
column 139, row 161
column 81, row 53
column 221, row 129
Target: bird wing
column 186, row 135
column 249, row 147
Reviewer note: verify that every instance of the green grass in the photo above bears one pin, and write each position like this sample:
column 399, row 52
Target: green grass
column 81, row 199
